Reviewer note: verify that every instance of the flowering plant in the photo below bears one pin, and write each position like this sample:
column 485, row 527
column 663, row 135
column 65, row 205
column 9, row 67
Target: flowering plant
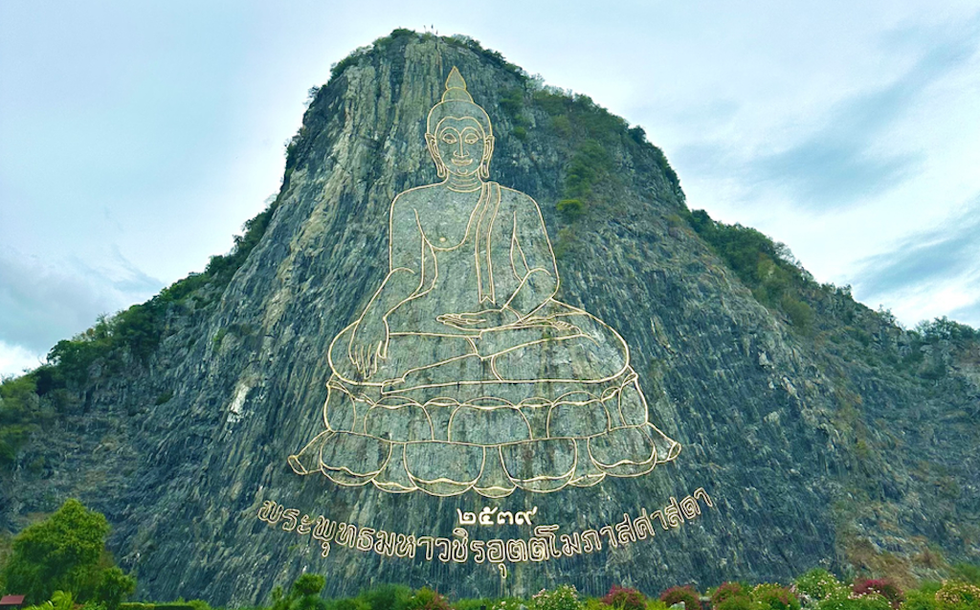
column 563, row 597
column 775, row 597
column 958, row 596
column 685, row 594
column 883, row 587
column 817, row 584
column 625, row 598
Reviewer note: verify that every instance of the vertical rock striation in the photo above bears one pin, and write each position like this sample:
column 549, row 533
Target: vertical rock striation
column 810, row 456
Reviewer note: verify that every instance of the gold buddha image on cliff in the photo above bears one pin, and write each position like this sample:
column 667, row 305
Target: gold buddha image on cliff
column 464, row 372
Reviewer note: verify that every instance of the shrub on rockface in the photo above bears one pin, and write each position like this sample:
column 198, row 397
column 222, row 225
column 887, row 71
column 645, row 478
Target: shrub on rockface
column 570, row 209
column 20, row 414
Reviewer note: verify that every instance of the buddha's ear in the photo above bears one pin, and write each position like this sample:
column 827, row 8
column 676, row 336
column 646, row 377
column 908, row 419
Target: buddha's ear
column 487, row 154
column 430, row 142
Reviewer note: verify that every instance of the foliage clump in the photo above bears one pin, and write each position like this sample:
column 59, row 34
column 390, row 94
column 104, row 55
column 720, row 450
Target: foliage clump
column 20, row 414
column 428, row 599
column 387, row 597
column 731, row 596
column 562, row 597
column 818, row 584
column 625, row 598
column 817, row 589
column 570, row 209
column 303, row 595
column 840, row 601
column 775, row 597
column 958, row 596
column 882, row 586
column 686, row 594
column 768, row 268
column 66, row 552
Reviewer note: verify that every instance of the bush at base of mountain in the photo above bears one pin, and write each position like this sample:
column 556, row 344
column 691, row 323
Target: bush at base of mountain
column 66, row 552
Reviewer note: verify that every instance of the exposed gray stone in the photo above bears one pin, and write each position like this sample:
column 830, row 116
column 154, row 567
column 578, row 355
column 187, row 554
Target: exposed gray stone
column 805, row 450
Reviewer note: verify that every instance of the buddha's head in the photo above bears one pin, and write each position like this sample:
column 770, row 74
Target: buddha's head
column 458, row 133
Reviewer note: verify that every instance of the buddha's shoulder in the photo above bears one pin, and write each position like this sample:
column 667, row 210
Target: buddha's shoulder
column 516, row 199
column 416, row 195
column 422, row 195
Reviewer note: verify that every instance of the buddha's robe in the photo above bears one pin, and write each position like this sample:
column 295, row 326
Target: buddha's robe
column 546, row 400
column 504, row 260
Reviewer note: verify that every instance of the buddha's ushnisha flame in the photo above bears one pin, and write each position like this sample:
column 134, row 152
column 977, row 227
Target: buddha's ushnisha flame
column 456, row 88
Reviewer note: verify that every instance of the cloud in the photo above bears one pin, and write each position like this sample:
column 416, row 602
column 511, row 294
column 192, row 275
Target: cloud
column 127, row 279
column 970, row 314
column 844, row 160
column 41, row 304
column 928, row 261
column 925, row 258
column 14, row 360
column 823, row 173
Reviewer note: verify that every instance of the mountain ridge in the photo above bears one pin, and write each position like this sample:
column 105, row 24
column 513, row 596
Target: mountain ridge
column 724, row 350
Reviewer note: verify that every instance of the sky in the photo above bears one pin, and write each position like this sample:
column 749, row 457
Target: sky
column 137, row 138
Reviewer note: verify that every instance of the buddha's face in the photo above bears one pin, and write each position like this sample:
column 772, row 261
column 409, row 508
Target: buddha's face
column 461, row 145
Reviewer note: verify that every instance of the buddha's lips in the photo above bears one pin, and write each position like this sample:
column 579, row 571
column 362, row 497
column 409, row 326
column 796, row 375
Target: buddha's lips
column 457, row 161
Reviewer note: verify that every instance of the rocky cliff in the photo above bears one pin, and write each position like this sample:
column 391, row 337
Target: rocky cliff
column 819, row 432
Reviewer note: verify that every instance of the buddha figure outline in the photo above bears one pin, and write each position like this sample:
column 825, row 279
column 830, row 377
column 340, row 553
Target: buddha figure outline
column 463, row 371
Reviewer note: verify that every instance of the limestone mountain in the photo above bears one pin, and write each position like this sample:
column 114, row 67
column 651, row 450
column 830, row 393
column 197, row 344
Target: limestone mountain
column 818, row 431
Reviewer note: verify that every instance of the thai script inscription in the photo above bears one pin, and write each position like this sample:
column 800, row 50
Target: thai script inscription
column 491, row 516
column 545, row 544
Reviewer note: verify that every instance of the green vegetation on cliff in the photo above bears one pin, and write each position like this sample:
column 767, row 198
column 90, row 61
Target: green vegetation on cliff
column 134, row 334
column 127, row 338
column 767, row 268
column 827, row 314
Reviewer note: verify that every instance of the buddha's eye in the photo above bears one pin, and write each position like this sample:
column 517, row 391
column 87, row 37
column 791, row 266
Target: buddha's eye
column 448, row 137
column 471, row 138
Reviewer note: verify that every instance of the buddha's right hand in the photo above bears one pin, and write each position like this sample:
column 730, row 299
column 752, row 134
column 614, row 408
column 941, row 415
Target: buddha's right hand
column 368, row 345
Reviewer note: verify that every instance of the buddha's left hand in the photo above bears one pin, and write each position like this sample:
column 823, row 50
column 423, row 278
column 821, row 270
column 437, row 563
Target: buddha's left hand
column 480, row 320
